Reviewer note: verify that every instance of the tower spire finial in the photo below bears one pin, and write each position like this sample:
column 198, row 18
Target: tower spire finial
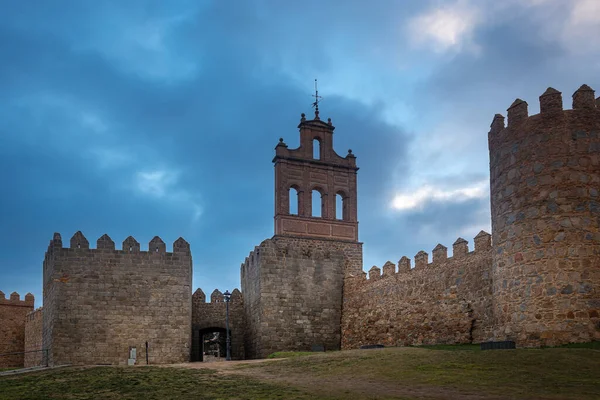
column 316, row 102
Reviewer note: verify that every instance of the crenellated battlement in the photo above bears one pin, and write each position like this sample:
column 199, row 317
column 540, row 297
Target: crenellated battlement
column 253, row 257
column 216, row 296
column 212, row 316
column 13, row 312
column 15, row 300
column 551, row 106
column 445, row 300
column 544, row 179
column 460, row 250
column 145, row 294
column 80, row 243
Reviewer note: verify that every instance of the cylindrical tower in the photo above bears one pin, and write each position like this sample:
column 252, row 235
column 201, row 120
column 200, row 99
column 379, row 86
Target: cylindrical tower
column 545, row 184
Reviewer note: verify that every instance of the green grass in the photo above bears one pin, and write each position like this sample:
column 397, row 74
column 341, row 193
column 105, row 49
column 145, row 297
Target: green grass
column 409, row 372
column 146, row 383
column 289, row 354
column 588, row 345
column 476, row 347
column 552, row 373
column 449, row 347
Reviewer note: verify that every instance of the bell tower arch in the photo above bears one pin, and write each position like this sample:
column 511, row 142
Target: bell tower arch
column 301, row 172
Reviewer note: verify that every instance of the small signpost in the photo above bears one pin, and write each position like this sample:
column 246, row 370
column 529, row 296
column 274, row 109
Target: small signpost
column 132, row 356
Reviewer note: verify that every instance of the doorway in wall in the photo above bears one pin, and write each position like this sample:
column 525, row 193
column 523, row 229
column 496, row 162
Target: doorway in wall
column 208, row 344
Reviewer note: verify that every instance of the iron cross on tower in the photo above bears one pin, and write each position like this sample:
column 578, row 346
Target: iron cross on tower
column 317, row 98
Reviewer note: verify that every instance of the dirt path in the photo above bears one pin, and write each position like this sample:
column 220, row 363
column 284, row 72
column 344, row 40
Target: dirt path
column 223, row 366
column 337, row 386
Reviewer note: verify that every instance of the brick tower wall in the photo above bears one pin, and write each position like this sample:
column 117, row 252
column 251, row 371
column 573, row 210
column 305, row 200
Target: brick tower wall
column 100, row 302
column 447, row 301
column 12, row 327
column 545, row 179
column 293, row 293
column 330, row 174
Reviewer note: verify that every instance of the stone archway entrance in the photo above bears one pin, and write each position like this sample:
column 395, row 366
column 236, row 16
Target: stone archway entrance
column 208, row 344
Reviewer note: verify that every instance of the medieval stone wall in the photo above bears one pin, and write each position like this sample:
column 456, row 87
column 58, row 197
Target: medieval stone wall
column 293, row 293
column 12, row 327
column 545, row 180
column 100, row 302
column 446, row 301
column 251, row 288
column 35, row 355
column 206, row 316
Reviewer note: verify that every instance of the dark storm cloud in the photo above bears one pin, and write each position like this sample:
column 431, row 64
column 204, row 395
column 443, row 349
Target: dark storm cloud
column 518, row 56
column 160, row 118
column 216, row 127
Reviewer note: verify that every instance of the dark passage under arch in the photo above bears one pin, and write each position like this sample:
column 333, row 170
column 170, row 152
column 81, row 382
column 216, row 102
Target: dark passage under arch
column 208, row 343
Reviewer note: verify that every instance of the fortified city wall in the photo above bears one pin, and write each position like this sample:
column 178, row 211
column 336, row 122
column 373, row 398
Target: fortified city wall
column 539, row 284
column 292, row 283
column 447, row 301
column 292, row 293
column 535, row 281
column 208, row 316
column 545, row 179
column 100, row 302
column 12, row 327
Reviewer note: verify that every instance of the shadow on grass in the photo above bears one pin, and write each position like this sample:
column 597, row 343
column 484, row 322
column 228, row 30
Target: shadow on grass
column 451, row 347
column 588, row 345
column 290, row 354
column 476, row 347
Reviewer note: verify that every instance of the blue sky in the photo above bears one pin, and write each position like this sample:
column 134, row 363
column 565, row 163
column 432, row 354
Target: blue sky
column 160, row 118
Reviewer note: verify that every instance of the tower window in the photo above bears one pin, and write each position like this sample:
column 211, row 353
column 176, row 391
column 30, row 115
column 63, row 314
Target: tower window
column 317, row 149
column 317, row 203
column 339, row 206
column 294, row 200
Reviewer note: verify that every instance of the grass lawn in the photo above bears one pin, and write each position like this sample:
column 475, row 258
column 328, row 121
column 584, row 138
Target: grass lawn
column 551, row 373
column 146, row 383
column 290, row 354
column 401, row 373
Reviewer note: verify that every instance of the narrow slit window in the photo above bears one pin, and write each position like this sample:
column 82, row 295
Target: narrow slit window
column 339, row 206
column 316, row 204
column 293, row 195
column 316, row 149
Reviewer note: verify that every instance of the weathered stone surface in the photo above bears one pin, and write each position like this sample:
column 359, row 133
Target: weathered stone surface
column 100, row 302
column 33, row 339
column 545, row 228
column 207, row 316
column 12, row 327
column 447, row 301
column 535, row 280
column 293, row 293
column 293, row 283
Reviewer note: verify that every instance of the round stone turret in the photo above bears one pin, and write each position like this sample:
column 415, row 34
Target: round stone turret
column 545, row 183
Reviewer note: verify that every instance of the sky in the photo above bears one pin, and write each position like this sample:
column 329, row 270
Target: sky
column 149, row 118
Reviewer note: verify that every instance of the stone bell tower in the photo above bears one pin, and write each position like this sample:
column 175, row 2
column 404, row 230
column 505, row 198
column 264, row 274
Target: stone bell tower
column 293, row 282
column 315, row 167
